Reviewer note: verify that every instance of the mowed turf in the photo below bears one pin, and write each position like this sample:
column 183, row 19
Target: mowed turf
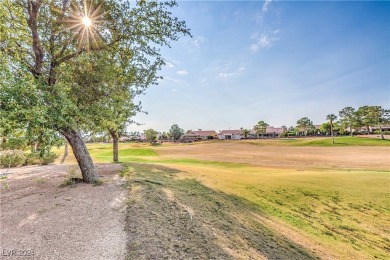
column 337, row 197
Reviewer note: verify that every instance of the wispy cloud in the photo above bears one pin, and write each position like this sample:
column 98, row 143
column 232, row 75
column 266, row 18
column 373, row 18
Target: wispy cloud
column 196, row 43
column 171, row 79
column 174, row 90
column 265, row 7
column 222, row 75
column 169, row 64
column 264, row 41
column 265, row 35
column 225, row 75
column 182, row 72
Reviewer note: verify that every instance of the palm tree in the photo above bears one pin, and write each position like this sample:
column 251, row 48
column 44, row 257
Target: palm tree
column 245, row 132
column 261, row 127
column 331, row 118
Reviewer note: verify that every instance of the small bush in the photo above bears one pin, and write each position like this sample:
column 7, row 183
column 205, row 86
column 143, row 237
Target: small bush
column 36, row 158
column 98, row 182
column 48, row 158
column 12, row 158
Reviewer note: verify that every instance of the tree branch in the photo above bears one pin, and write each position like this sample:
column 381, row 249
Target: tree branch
column 33, row 9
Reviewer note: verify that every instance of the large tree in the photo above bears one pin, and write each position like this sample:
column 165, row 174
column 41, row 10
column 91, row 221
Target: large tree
column 175, row 132
column 260, row 128
column 41, row 40
column 151, row 135
column 379, row 116
column 363, row 118
column 304, row 125
column 348, row 118
column 103, row 77
column 331, row 118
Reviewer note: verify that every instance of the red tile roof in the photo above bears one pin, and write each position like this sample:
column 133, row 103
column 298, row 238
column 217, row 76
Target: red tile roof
column 205, row 133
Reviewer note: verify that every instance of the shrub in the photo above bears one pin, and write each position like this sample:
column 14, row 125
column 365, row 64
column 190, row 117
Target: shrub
column 50, row 157
column 37, row 158
column 12, row 158
column 33, row 159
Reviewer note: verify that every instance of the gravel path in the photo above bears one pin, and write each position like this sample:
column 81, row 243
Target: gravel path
column 41, row 220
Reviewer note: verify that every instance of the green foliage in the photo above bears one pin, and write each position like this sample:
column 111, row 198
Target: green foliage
column 54, row 79
column 304, row 125
column 342, row 141
column 245, row 132
column 5, row 185
column 41, row 159
column 98, row 183
column 12, row 158
column 11, row 141
column 175, row 132
column 261, row 127
column 151, row 135
column 325, row 128
column 68, row 182
column 348, row 119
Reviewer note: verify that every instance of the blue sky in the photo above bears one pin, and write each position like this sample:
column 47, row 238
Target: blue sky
column 276, row 61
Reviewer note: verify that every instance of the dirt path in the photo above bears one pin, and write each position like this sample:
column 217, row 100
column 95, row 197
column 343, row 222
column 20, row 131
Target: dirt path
column 44, row 221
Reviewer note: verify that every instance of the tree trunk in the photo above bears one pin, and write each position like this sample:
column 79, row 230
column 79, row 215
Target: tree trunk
column 115, row 141
column 350, row 129
column 380, row 129
column 65, row 153
column 81, row 153
column 331, row 132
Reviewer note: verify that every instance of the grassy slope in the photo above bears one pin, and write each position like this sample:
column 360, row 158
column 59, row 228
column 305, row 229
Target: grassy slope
column 324, row 141
column 348, row 212
column 190, row 220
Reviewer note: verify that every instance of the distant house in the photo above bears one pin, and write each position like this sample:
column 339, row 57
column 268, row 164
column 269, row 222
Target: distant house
column 363, row 130
column 200, row 135
column 124, row 138
column 271, row 132
column 205, row 135
column 230, row 135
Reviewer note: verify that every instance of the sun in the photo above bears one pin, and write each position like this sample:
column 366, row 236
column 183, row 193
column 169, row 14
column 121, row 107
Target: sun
column 84, row 22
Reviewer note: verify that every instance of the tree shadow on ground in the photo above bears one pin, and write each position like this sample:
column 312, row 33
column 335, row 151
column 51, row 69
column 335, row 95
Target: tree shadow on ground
column 173, row 217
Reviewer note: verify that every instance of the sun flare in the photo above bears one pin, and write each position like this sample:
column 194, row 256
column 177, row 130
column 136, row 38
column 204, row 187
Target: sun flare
column 85, row 22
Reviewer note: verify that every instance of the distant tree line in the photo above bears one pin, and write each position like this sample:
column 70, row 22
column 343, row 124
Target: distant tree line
column 350, row 121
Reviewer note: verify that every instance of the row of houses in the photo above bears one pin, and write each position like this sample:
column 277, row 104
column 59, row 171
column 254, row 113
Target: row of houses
column 271, row 132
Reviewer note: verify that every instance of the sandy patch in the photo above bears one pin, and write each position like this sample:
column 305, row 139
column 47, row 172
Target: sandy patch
column 41, row 220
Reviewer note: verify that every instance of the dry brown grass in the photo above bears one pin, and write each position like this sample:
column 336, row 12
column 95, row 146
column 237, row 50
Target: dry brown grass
column 345, row 157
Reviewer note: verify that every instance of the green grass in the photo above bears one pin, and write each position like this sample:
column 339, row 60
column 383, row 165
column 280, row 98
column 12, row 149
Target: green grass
column 202, row 163
column 324, row 141
column 127, row 152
